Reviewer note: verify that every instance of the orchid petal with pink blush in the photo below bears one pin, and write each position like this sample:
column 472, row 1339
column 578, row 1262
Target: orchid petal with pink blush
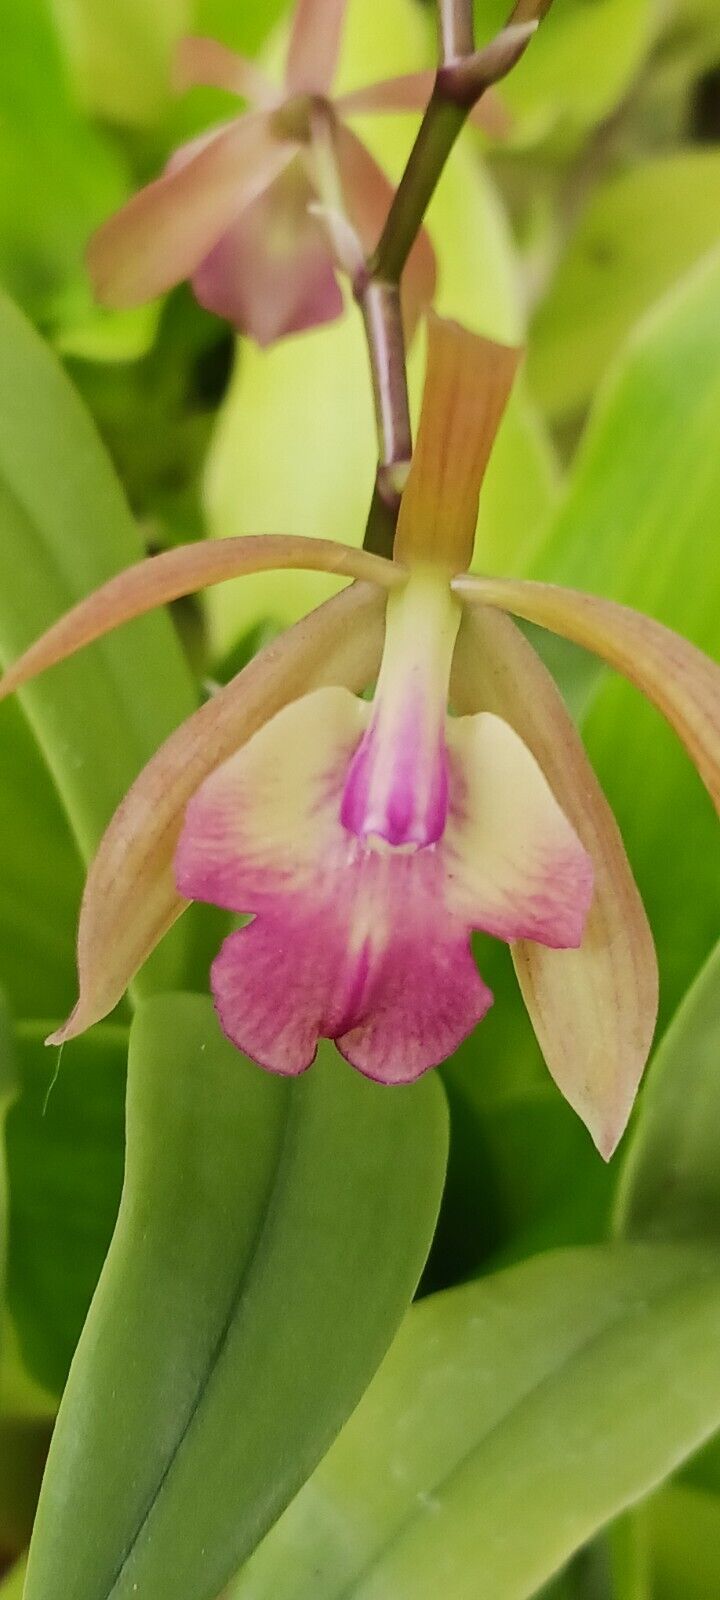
column 201, row 61
column 175, row 573
column 678, row 678
column 593, row 1008
column 314, row 45
column 340, row 945
column 130, row 897
column 272, row 272
column 161, row 236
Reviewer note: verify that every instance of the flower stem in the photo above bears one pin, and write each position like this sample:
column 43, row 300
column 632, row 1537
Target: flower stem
column 462, row 77
column 456, row 27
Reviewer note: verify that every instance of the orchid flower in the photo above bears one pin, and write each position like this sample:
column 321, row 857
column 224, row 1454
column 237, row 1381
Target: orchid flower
column 236, row 210
column 366, row 839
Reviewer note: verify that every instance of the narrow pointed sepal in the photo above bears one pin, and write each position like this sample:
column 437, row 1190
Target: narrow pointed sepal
column 314, row 45
column 130, row 897
column 593, row 1008
column 199, row 60
column 166, row 577
column 467, row 385
column 678, row 678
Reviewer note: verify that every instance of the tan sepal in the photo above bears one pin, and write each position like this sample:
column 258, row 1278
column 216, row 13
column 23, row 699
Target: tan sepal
column 167, row 577
column 593, row 1009
column 467, row 383
column 130, row 898
column 678, row 678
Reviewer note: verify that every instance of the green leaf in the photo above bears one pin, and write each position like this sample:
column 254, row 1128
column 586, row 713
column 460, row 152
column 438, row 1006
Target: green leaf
column 641, row 498
column 511, row 1419
column 684, row 1527
column 622, row 257
column 670, row 1185
column 8, row 1083
column 270, row 1237
column 11, row 1587
column 579, row 66
column 65, row 1158
column 40, row 878
column 64, row 528
column 58, row 176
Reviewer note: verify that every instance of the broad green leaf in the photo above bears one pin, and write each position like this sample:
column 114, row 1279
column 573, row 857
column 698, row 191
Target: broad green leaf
column 58, row 176
column 621, row 258
column 8, row 1084
column 40, row 878
column 510, row 1421
column 270, row 1237
column 684, row 1527
column 514, row 1161
column 64, row 528
column 670, row 1186
column 637, row 525
column 65, row 1157
column 579, row 66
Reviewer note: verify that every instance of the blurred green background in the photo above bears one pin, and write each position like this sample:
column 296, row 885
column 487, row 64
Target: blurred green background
column 591, row 233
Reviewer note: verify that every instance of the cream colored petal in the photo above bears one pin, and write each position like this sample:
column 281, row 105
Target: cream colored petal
column 160, row 237
column 130, row 898
column 516, row 867
column 265, row 825
column 314, row 45
column 594, row 1008
column 167, row 577
column 467, row 384
column 678, row 678
column 207, row 61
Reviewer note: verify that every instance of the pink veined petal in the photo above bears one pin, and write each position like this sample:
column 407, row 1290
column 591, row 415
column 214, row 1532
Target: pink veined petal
column 207, row 61
column 130, row 897
column 368, row 195
column 593, row 1009
column 175, row 573
column 163, row 233
column 411, row 92
column 467, row 385
column 272, row 272
column 679, row 679
column 314, row 45
column 517, row 868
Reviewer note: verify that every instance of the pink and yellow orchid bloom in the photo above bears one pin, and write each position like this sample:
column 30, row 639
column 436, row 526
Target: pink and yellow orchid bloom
column 365, row 840
column 236, row 209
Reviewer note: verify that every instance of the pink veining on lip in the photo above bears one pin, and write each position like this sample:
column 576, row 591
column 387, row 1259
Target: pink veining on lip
column 388, row 794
